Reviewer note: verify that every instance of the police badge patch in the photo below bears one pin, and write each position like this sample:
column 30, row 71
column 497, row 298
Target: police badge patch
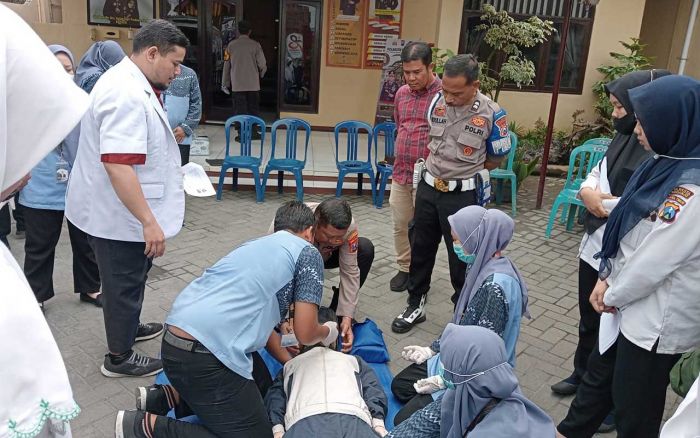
column 477, row 121
column 475, row 106
column 353, row 241
column 440, row 111
column 674, row 203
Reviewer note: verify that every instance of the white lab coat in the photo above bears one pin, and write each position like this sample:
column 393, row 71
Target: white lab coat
column 655, row 277
column 39, row 106
column 685, row 422
column 125, row 117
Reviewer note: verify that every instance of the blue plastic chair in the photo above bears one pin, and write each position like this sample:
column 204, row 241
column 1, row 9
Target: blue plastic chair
column 581, row 161
column 384, row 170
column 245, row 160
column 289, row 163
column 351, row 164
column 507, row 174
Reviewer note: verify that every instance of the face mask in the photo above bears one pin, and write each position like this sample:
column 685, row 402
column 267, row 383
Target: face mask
column 625, row 125
column 466, row 258
column 468, row 377
column 469, row 259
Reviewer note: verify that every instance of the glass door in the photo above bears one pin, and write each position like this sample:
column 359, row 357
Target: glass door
column 185, row 15
column 222, row 17
column 300, row 57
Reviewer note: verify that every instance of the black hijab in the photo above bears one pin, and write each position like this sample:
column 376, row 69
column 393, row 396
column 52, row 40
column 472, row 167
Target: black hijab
column 624, row 153
column 669, row 112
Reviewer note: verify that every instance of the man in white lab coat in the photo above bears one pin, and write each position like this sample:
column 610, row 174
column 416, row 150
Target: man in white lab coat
column 125, row 190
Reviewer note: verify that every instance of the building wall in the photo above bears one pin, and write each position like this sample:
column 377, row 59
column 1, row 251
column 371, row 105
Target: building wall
column 663, row 31
column 352, row 93
column 692, row 66
column 349, row 93
column 615, row 20
column 659, row 16
column 73, row 32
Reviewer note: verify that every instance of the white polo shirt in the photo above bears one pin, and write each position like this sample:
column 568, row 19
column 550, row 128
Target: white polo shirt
column 125, row 118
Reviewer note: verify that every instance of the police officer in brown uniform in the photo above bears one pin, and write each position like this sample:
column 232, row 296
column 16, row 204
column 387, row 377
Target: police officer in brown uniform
column 468, row 137
column 336, row 236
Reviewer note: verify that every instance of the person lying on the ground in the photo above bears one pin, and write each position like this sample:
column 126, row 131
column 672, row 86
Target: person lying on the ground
column 336, row 236
column 220, row 319
column 494, row 296
column 483, row 398
column 322, row 392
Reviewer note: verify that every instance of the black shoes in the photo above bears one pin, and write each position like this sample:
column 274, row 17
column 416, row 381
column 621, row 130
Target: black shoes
column 156, row 399
column 608, row 425
column 130, row 424
column 135, row 366
column 400, row 282
column 409, row 317
column 567, row 386
column 97, row 301
column 148, row 331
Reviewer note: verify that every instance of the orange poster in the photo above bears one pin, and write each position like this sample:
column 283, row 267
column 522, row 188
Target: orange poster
column 383, row 24
column 346, row 33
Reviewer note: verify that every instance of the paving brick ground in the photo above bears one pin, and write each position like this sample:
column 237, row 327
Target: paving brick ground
column 545, row 347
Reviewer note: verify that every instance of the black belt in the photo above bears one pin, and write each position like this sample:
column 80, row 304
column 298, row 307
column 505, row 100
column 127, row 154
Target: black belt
column 184, row 344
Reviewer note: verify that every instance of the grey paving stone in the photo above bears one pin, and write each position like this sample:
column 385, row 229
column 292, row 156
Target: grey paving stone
column 213, row 228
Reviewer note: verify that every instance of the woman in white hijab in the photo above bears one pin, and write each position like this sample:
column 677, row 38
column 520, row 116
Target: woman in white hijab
column 35, row 395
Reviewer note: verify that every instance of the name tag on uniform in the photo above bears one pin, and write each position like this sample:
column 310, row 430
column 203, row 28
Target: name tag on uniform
column 474, row 130
column 62, row 171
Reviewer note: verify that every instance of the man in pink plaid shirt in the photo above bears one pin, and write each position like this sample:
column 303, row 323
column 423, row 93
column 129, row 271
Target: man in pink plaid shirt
column 410, row 114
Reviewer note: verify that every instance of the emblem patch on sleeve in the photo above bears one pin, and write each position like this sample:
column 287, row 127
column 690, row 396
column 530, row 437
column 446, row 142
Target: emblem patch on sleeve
column 502, row 124
column 674, row 203
column 440, row 111
column 353, row 241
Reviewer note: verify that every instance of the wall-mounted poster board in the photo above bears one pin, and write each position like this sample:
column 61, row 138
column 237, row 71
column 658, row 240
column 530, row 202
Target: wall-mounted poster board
column 391, row 81
column 346, row 23
column 124, row 13
column 383, row 23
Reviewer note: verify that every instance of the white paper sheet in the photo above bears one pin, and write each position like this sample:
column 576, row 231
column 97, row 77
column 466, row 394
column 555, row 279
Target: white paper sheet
column 195, row 181
column 609, row 330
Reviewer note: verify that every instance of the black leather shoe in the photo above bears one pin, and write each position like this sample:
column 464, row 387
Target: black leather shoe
column 608, row 425
column 409, row 317
column 400, row 282
column 567, row 386
column 97, row 301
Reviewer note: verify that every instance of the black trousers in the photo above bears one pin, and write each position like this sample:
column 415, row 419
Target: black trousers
column 246, row 102
column 365, row 258
column 18, row 214
column 5, row 224
column 184, row 153
column 43, row 232
column 429, row 225
column 124, row 269
column 590, row 319
column 631, row 379
column 227, row 404
column 403, row 390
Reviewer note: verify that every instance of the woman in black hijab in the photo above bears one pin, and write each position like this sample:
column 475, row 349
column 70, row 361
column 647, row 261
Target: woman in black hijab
column 606, row 182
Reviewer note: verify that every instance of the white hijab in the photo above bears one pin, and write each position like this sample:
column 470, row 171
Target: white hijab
column 39, row 106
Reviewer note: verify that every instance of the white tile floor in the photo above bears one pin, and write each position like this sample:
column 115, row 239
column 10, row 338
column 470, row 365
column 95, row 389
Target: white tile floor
column 320, row 160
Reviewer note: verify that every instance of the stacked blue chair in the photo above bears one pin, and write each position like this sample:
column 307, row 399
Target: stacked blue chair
column 507, row 174
column 384, row 170
column 581, row 161
column 289, row 163
column 352, row 164
column 247, row 125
